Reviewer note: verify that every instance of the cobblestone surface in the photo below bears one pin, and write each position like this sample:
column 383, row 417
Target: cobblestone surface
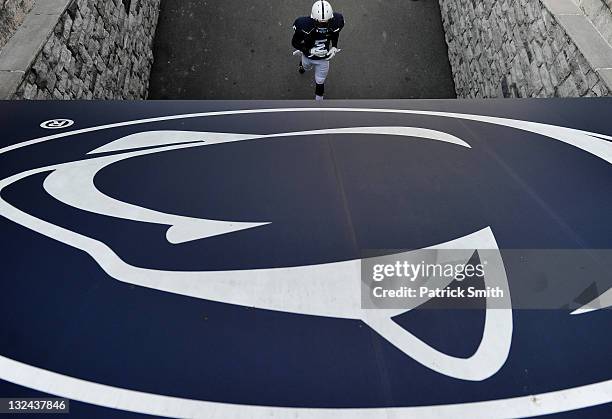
column 97, row 51
column 12, row 13
column 514, row 48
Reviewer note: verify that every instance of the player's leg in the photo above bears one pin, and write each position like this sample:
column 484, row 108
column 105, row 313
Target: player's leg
column 305, row 64
column 319, row 91
column 321, row 71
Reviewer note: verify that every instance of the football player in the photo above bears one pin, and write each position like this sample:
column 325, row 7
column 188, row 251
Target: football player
column 316, row 37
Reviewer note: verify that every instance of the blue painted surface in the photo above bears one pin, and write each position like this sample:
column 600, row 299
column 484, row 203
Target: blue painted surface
column 328, row 199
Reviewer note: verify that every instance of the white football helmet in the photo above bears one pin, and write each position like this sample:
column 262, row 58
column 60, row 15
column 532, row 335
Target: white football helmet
column 322, row 11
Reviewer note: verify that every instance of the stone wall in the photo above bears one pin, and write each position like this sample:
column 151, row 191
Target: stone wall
column 97, row 49
column 12, row 13
column 520, row 48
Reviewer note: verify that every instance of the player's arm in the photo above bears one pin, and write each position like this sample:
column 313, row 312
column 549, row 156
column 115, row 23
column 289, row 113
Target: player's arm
column 298, row 41
column 334, row 39
column 338, row 25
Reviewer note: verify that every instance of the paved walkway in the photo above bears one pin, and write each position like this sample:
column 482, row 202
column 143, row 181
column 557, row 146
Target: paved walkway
column 226, row 49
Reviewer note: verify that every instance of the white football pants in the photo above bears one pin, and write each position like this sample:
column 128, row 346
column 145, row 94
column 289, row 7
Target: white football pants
column 321, row 68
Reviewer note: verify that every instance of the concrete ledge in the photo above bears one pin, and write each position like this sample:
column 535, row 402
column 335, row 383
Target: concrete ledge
column 593, row 46
column 9, row 82
column 606, row 75
column 599, row 13
column 562, row 7
column 21, row 50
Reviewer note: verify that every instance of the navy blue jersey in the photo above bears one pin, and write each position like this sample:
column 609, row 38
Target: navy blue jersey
column 307, row 35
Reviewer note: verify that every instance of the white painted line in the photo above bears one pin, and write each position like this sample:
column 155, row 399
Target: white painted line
column 175, row 407
column 577, row 138
column 73, row 184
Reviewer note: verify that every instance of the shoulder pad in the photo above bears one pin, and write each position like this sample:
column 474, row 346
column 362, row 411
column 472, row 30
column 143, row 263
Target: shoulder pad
column 337, row 22
column 304, row 24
